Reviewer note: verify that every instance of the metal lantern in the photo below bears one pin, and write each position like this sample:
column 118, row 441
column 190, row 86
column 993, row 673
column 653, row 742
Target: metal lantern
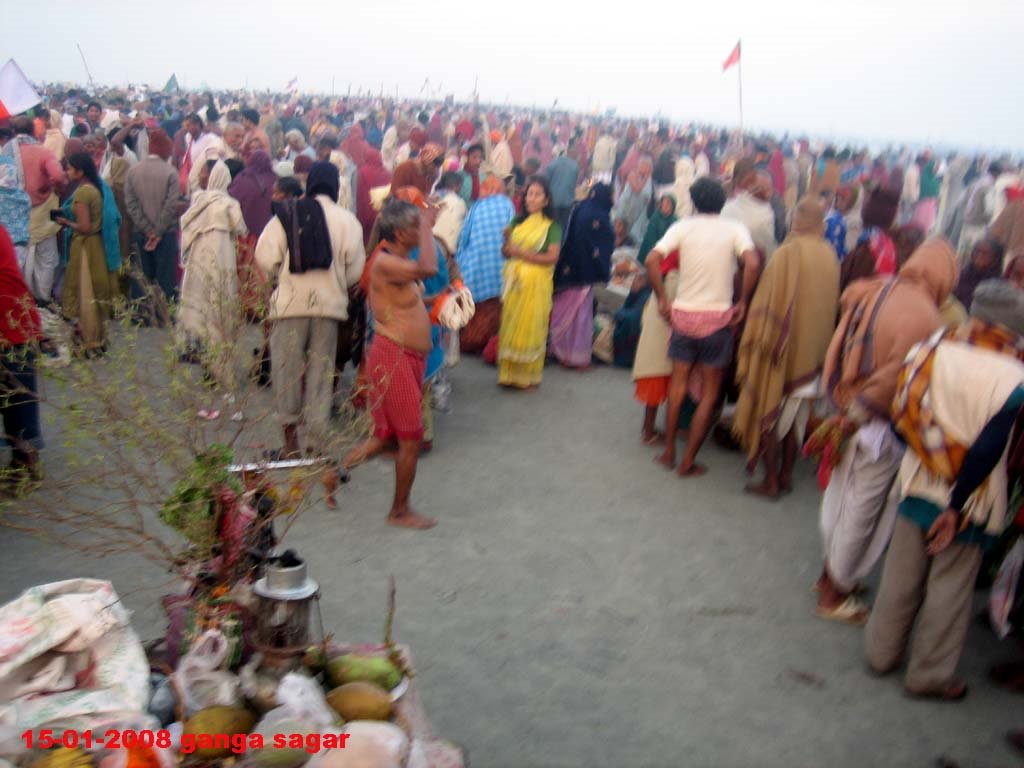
column 288, row 617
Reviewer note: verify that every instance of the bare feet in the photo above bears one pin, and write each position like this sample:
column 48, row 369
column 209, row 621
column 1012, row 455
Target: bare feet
column 409, row 519
column 330, row 479
column 666, row 459
column 765, row 490
column 652, row 438
column 692, row 469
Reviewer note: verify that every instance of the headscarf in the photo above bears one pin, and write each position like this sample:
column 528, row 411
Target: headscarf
column 210, row 207
column 585, row 256
column 304, row 224
column 355, row 145
column 160, row 144
column 417, row 138
column 253, row 188
column 431, row 152
column 371, row 176
column 657, row 228
column 882, row 318
column 971, row 277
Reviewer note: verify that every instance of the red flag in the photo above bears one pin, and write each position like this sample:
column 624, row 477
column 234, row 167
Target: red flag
column 734, row 58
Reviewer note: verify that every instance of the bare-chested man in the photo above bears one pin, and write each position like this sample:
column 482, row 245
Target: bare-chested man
column 398, row 355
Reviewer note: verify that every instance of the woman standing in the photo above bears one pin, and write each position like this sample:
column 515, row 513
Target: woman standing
column 531, row 247
column 253, row 188
column 479, row 258
column 585, row 259
column 86, row 279
column 210, row 314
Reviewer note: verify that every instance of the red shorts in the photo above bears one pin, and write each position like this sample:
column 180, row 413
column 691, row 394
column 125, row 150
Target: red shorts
column 396, row 389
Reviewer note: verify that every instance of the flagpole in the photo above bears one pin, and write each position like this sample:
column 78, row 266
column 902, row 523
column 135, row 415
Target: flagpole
column 740, row 80
column 86, row 65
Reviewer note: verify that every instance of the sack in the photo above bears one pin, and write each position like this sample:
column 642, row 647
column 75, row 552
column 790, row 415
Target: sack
column 604, row 349
column 454, row 308
column 1004, row 590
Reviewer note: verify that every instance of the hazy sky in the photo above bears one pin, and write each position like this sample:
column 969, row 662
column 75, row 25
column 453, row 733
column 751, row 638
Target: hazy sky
column 940, row 71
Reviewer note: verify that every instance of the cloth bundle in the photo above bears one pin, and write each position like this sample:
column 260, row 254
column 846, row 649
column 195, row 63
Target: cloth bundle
column 454, row 308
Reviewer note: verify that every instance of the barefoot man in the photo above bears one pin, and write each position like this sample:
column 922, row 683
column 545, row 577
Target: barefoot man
column 702, row 314
column 398, row 355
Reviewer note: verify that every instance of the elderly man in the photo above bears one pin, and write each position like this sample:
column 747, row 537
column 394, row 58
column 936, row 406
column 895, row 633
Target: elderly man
column 234, row 136
column 788, row 330
column 151, row 196
column 43, row 178
column 748, row 207
column 882, row 318
column 297, row 146
column 398, row 355
column 960, row 393
column 313, row 266
column 421, row 171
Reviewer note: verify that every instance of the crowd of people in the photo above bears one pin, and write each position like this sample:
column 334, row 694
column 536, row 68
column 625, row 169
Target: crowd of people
column 781, row 296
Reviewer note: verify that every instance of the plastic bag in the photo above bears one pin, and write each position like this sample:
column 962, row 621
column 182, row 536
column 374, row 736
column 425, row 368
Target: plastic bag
column 1004, row 589
column 304, row 698
column 202, row 681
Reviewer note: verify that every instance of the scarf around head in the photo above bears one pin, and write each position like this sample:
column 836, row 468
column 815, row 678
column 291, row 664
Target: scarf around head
column 253, row 188
column 304, row 223
column 585, row 256
column 656, row 228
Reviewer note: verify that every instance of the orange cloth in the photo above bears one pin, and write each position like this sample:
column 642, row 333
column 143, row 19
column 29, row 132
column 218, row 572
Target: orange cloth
column 652, row 391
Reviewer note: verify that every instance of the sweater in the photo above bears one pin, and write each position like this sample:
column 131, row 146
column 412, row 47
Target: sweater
column 318, row 292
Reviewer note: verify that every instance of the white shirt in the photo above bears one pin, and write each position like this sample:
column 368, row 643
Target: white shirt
column 757, row 216
column 709, row 250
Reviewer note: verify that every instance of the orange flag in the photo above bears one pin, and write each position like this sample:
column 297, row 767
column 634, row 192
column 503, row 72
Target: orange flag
column 734, row 58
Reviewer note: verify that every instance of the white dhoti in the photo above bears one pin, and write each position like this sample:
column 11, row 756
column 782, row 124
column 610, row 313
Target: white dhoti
column 38, row 262
column 795, row 411
column 858, row 511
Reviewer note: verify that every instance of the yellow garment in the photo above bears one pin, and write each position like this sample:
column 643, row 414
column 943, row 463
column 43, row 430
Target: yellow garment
column 526, row 308
column 86, row 281
column 789, row 326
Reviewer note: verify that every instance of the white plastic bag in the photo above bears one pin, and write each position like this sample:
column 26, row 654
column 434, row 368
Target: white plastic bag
column 304, row 698
column 1004, row 589
column 199, row 675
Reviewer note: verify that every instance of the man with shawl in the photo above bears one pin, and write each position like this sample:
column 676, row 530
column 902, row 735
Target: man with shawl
column 881, row 319
column 584, row 259
column 788, row 329
column 875, row 251
column 209, row 315
column 313, row 248
column 959, row 394
column 985, row 263
column 479, row 257
column 747, row 207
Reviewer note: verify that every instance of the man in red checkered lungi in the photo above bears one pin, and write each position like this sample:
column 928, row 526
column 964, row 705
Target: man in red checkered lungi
column 398, row 355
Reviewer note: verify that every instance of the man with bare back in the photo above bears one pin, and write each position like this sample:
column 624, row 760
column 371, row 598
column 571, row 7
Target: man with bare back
column 398, row 355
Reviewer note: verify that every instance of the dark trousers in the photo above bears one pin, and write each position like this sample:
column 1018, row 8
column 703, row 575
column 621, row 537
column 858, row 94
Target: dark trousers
column 19, row 400
column 161, row 265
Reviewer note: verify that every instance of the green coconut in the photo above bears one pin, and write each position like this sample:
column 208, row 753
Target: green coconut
column 353, row 668
column 360, row 701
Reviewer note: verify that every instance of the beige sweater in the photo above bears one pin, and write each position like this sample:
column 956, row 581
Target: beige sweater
column 318, row 293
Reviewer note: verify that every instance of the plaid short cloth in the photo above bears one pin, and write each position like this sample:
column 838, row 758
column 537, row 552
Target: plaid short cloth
column 396, row 389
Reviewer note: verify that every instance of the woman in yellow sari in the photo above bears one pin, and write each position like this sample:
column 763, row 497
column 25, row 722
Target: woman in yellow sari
column 531, row 247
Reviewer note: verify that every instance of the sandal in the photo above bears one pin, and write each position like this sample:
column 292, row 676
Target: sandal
column 955, row 691
column 851, row 611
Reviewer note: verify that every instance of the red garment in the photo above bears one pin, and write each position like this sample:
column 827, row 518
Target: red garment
column 475, row 181
column 396, row 380
column 355, row 145
column 19, row 320
column 778, row 173
column 465, row 130
column 372, row 174
column 652, row 391
column 410, row 174
column 435, row 131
